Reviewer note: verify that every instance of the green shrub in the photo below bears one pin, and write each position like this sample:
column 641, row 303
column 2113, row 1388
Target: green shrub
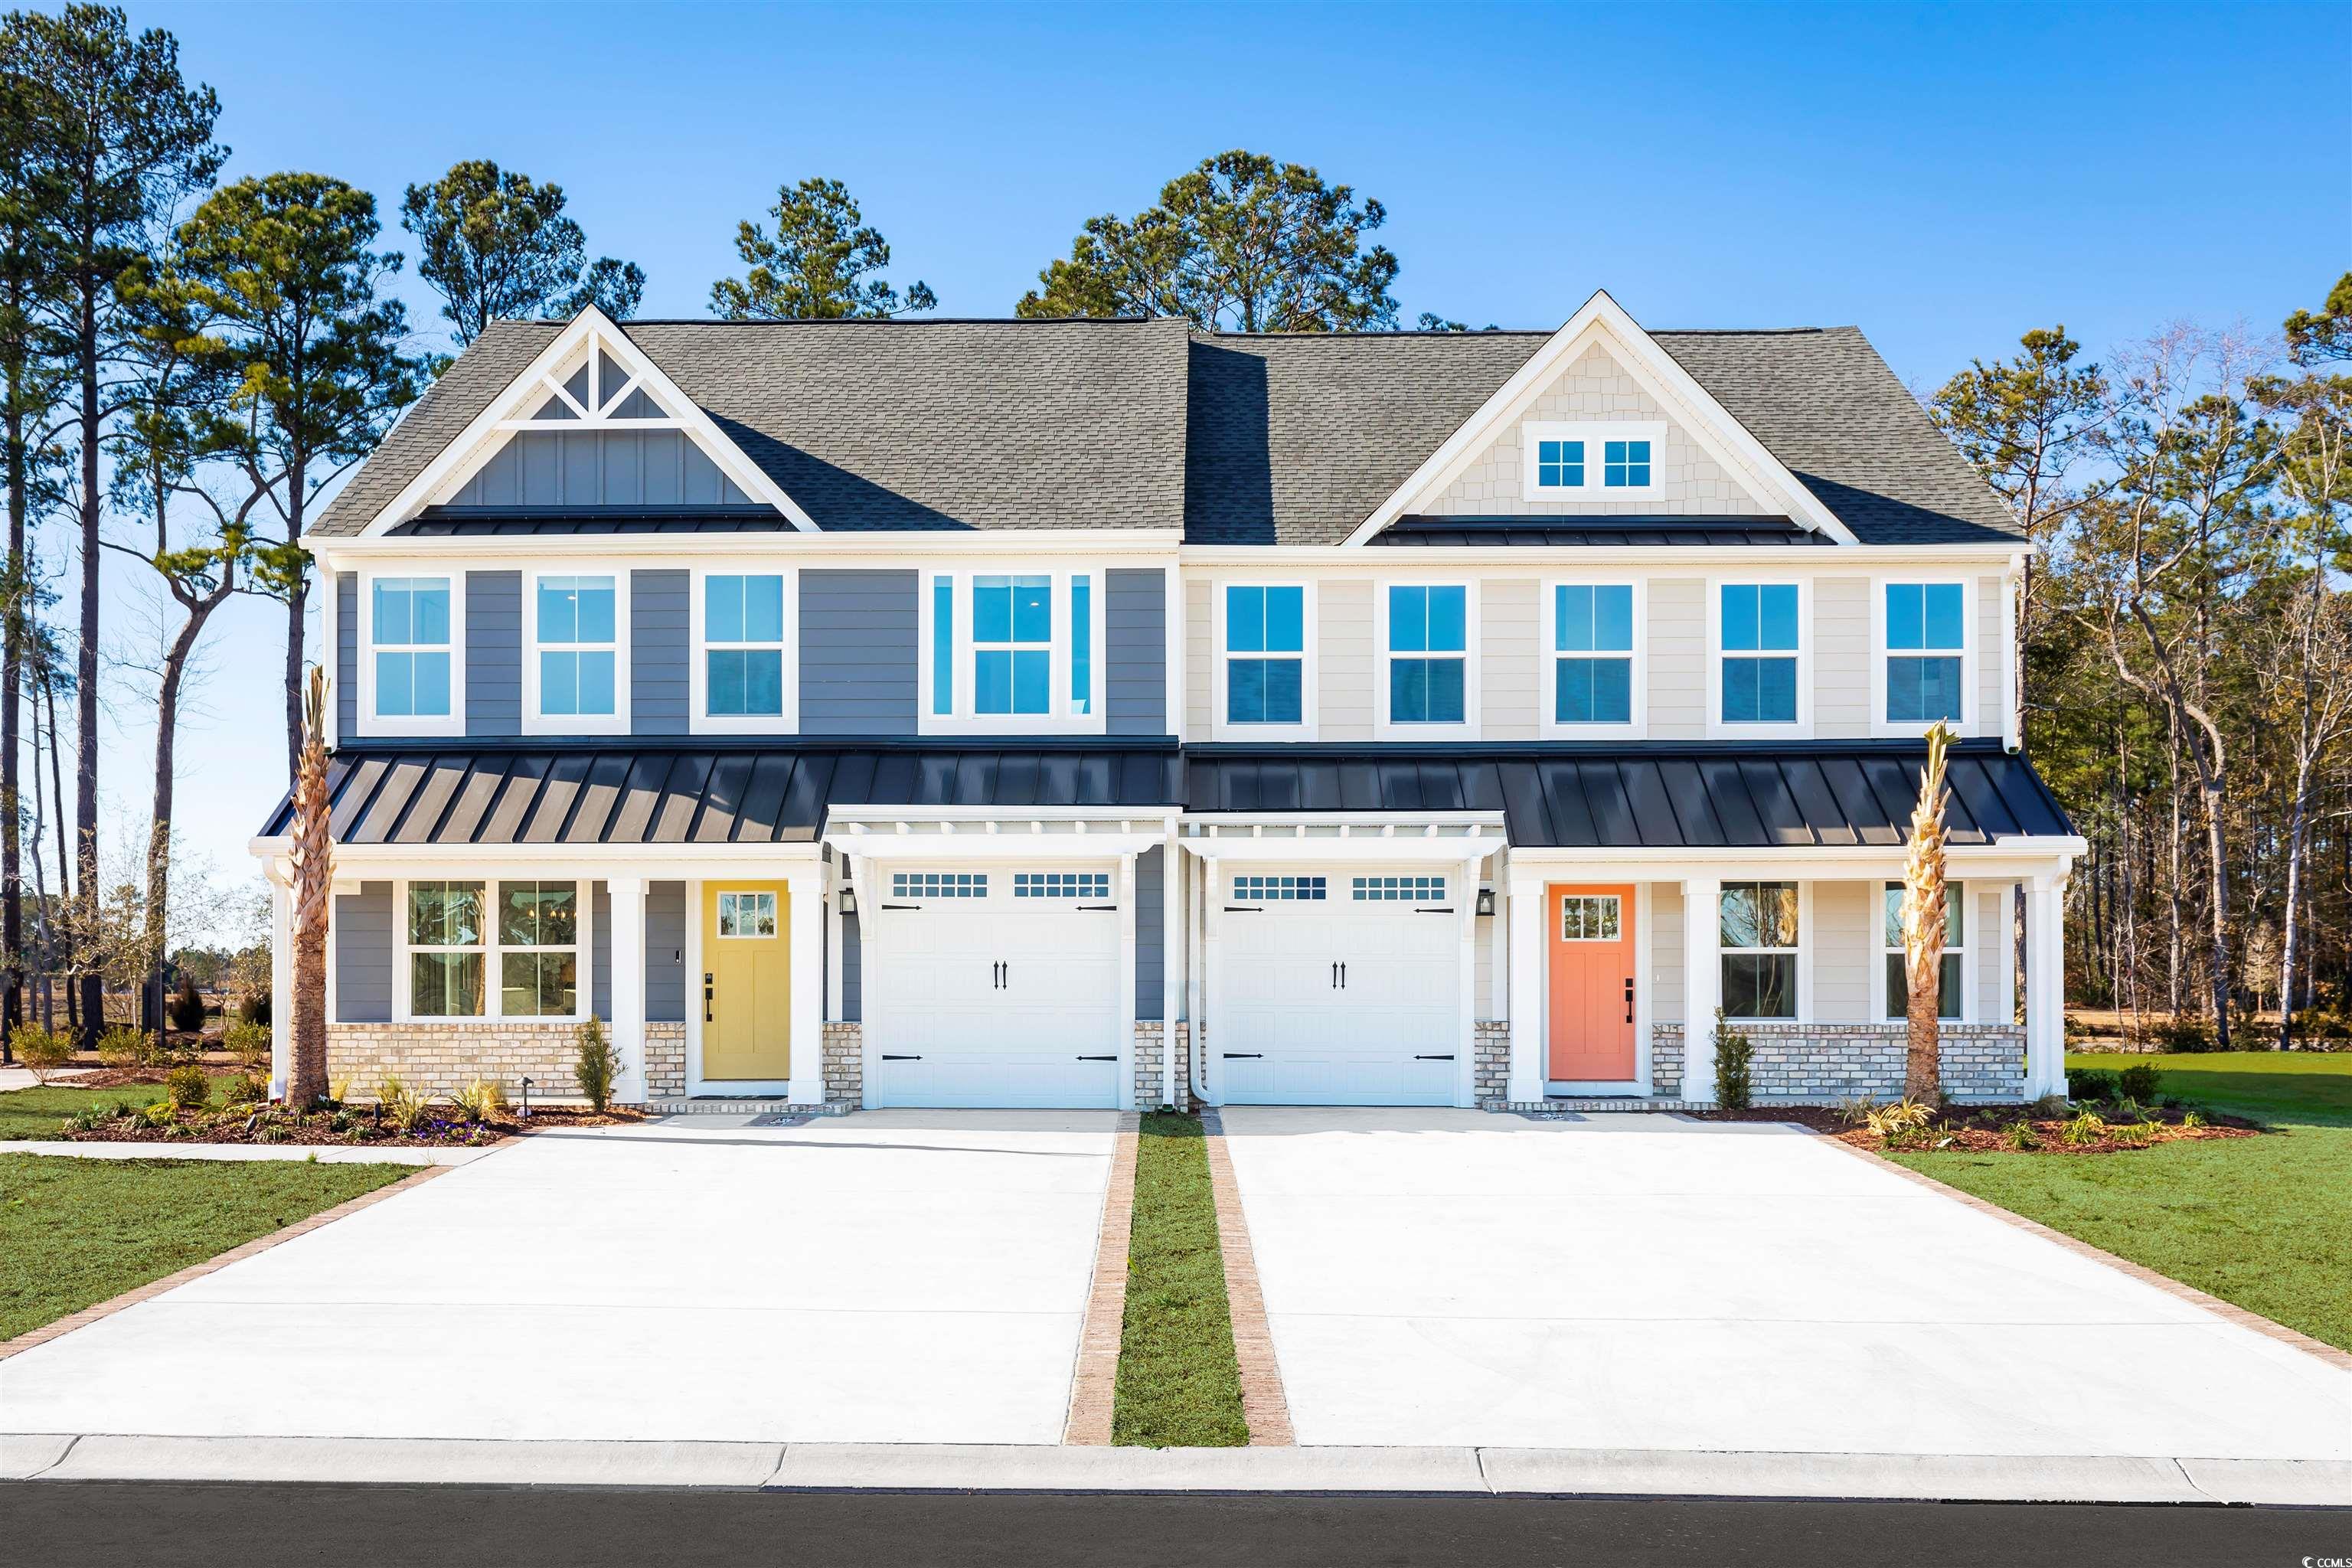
column 478, row 1100
column 249, row 1043
column 2141, row 1081
column 2178, row 1035
column 186, row 1008
column 2089, row 1084
column 2088, row 1127
column 246, row 1089
column 125, row 1048
column 42, row 1050
column 2192, row 1119
column 599, row 1065
column 1905, row 1119
column 2020, row 1136
column 186, row 1088
column 255, row 1009
column 159, row 1114
column 1734, row 1065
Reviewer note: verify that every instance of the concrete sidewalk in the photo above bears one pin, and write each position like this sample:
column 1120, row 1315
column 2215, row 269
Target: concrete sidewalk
column 901, row 1468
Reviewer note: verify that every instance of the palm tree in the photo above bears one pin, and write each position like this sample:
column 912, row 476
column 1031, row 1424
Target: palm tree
column 1924, row 926
column 306, row 1070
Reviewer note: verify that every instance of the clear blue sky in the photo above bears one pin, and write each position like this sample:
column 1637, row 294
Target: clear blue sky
column 1943, row 176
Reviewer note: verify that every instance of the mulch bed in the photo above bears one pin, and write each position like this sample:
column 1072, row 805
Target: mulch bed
column 1981, row 1131
column 360, row 1132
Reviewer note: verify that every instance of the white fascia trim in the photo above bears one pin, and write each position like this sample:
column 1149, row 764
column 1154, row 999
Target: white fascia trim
column 2009, row 859
column 1709, row 424
column 491, row 429
column 1971, row 720
column 842, row 549
column 1842, row 562
column 661, row 862
column 616, row 723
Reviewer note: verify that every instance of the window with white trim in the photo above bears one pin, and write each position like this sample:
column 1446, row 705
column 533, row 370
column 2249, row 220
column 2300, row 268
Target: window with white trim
column 1626, row 465
column 743, row 626
column 1592, row 653
column 1013, row 650
column 1756, row 930
column 1428, row 653
column 1951, row 996
column 1399, row 890
column 1265, row 654
column 409, row 636
column 1559, row 465
column 1591, row 917
column 939, row 884
column 458, row 934
column 744, row 916
column 1591, row 460
column 1279, row 889
column 1061, row 884
column 1759, row 630
column 1927, row 650
column 575, row 626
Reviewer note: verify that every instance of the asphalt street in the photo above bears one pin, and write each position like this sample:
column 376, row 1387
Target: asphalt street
column 64, row 1524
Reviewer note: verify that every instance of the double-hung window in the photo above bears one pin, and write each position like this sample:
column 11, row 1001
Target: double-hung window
column 1927, row 650
column 1757, row 930
column 743, row 675
column 1951, row 996
column 460, row 934
column 1265, row 654
column 578, row 679
column 1013, row 650
column 1759, row 630
column 413, row 678
column 1428, row 643
column 1590, row 676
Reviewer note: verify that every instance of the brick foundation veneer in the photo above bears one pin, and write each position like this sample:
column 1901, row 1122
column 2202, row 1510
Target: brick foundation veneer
column 440, row 1058
column 845, row 1063
column 665, row 1061
column 1150, row 1093
column 1821, row 1064
column 1490, row 1066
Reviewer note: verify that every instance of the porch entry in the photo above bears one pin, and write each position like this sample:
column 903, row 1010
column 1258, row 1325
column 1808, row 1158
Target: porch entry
column 1591, row 984
column 747, row 983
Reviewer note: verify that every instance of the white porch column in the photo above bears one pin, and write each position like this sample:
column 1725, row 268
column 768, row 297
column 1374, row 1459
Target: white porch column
column 806, row 888
column 1123, row 1044
column 2045, row 987
column 1208, row 1070
column 282, row 979
column 1466, row 1062
column 627, row 946
column 1525, row 915
column 1702, row 983
column 1172, row 945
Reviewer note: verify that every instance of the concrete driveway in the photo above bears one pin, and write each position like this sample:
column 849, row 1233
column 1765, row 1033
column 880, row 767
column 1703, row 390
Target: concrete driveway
column 1448, row 1277
column 893, row 1277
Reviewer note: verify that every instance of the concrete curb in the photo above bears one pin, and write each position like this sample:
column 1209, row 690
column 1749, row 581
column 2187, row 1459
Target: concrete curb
column 325, row 1154
column 900, row 1468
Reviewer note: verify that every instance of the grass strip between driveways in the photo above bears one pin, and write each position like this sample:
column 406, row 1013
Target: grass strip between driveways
column 1179, row 1384
column 2263, row 1223
column 74, row 1233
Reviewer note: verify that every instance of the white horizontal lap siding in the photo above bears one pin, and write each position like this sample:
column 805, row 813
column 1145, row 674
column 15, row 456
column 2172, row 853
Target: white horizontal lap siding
column 1510, row 645
column 1677, row 634
column 1199, row 684
column 1344, row 700
column 1842, row 683
column 1842, row 952
column 1667, row 983
column 1993, row 944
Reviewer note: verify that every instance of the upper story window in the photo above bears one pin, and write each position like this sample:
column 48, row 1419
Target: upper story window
column 1951, row 995
column 1927, row 650
column 1591, row 460
column 742, row 674
column 411, row 670
column 578, row 679
column 1759, row 626
column 1756, row 930
column 1592, row 675
column 1013, row 651
column 1265, row 654
column 1427, row 645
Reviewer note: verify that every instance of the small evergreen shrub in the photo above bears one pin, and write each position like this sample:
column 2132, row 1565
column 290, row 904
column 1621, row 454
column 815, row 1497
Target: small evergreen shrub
column 186, row 1088
column 249, row 1043
column 42, row 1050
column 2139, row 1081
column 186, row 1009
column 2089, row 1084
column 599, row 1065
column 255, row 1009
column 1734, row 1065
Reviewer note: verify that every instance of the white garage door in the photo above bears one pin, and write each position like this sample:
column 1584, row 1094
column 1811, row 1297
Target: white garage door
column 992, row 986
column 1339, row 987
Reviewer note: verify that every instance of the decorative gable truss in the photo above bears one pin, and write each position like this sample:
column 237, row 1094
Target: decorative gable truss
column 592, row 422
column 1503, row 435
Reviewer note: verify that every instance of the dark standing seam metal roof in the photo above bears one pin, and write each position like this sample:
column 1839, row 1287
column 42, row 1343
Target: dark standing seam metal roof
column 1651, row 795
column 1586, row 532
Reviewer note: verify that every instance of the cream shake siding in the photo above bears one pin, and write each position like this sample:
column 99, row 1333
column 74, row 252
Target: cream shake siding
column 1666, row 953
column 1991, row 643
column 1842, row 951
column 1200, row 687
column 1596, row 387
column 1508, row 674
column 1344, row 691
column 1677, row 632
column 1841, row 657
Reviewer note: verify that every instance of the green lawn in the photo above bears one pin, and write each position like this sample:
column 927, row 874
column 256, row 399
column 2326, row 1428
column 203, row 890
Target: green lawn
column 1178, row 1385
column 75, row 1232
column 36, row 1112
column 2263, row 1222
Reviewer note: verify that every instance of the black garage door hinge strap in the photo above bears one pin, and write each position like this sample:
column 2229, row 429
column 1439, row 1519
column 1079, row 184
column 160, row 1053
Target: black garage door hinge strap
column 1447, row 1057
column 1245, row 1056
column 1098, row 1059
column 888, row 1057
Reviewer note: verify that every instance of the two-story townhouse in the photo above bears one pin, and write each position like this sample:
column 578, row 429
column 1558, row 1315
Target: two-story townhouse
column 1107, row 713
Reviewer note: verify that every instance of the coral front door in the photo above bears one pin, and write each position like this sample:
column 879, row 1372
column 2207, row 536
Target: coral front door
column 747, row 983
column 1591, row 984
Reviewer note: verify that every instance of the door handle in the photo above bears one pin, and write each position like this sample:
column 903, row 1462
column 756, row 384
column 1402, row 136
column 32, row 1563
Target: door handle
column 706, row 999
column 1447, row 1057
column 888, row 1057
column 1007, row 968
column 1629, row 998
column 1335, row 975
column 1343, row 977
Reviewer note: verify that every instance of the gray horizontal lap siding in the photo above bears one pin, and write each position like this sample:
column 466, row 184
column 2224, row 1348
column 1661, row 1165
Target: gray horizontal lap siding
column 661, row 678
column 1134, row 662
column 665, row 952
column 600, row 951
column 362, row 923
column 347, row 653
column 857, row 652
column 1150, row 934
column 853, row 971
column 493, row 653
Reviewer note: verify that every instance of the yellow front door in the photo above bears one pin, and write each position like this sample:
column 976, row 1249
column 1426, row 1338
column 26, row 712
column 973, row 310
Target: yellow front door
column 747, row 982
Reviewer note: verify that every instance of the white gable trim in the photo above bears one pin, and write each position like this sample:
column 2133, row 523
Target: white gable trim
column 1603, row 320
column 508, row 413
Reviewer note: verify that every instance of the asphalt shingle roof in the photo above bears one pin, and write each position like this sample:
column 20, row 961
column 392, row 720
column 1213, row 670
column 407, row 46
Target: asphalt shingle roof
column 1238, row 439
